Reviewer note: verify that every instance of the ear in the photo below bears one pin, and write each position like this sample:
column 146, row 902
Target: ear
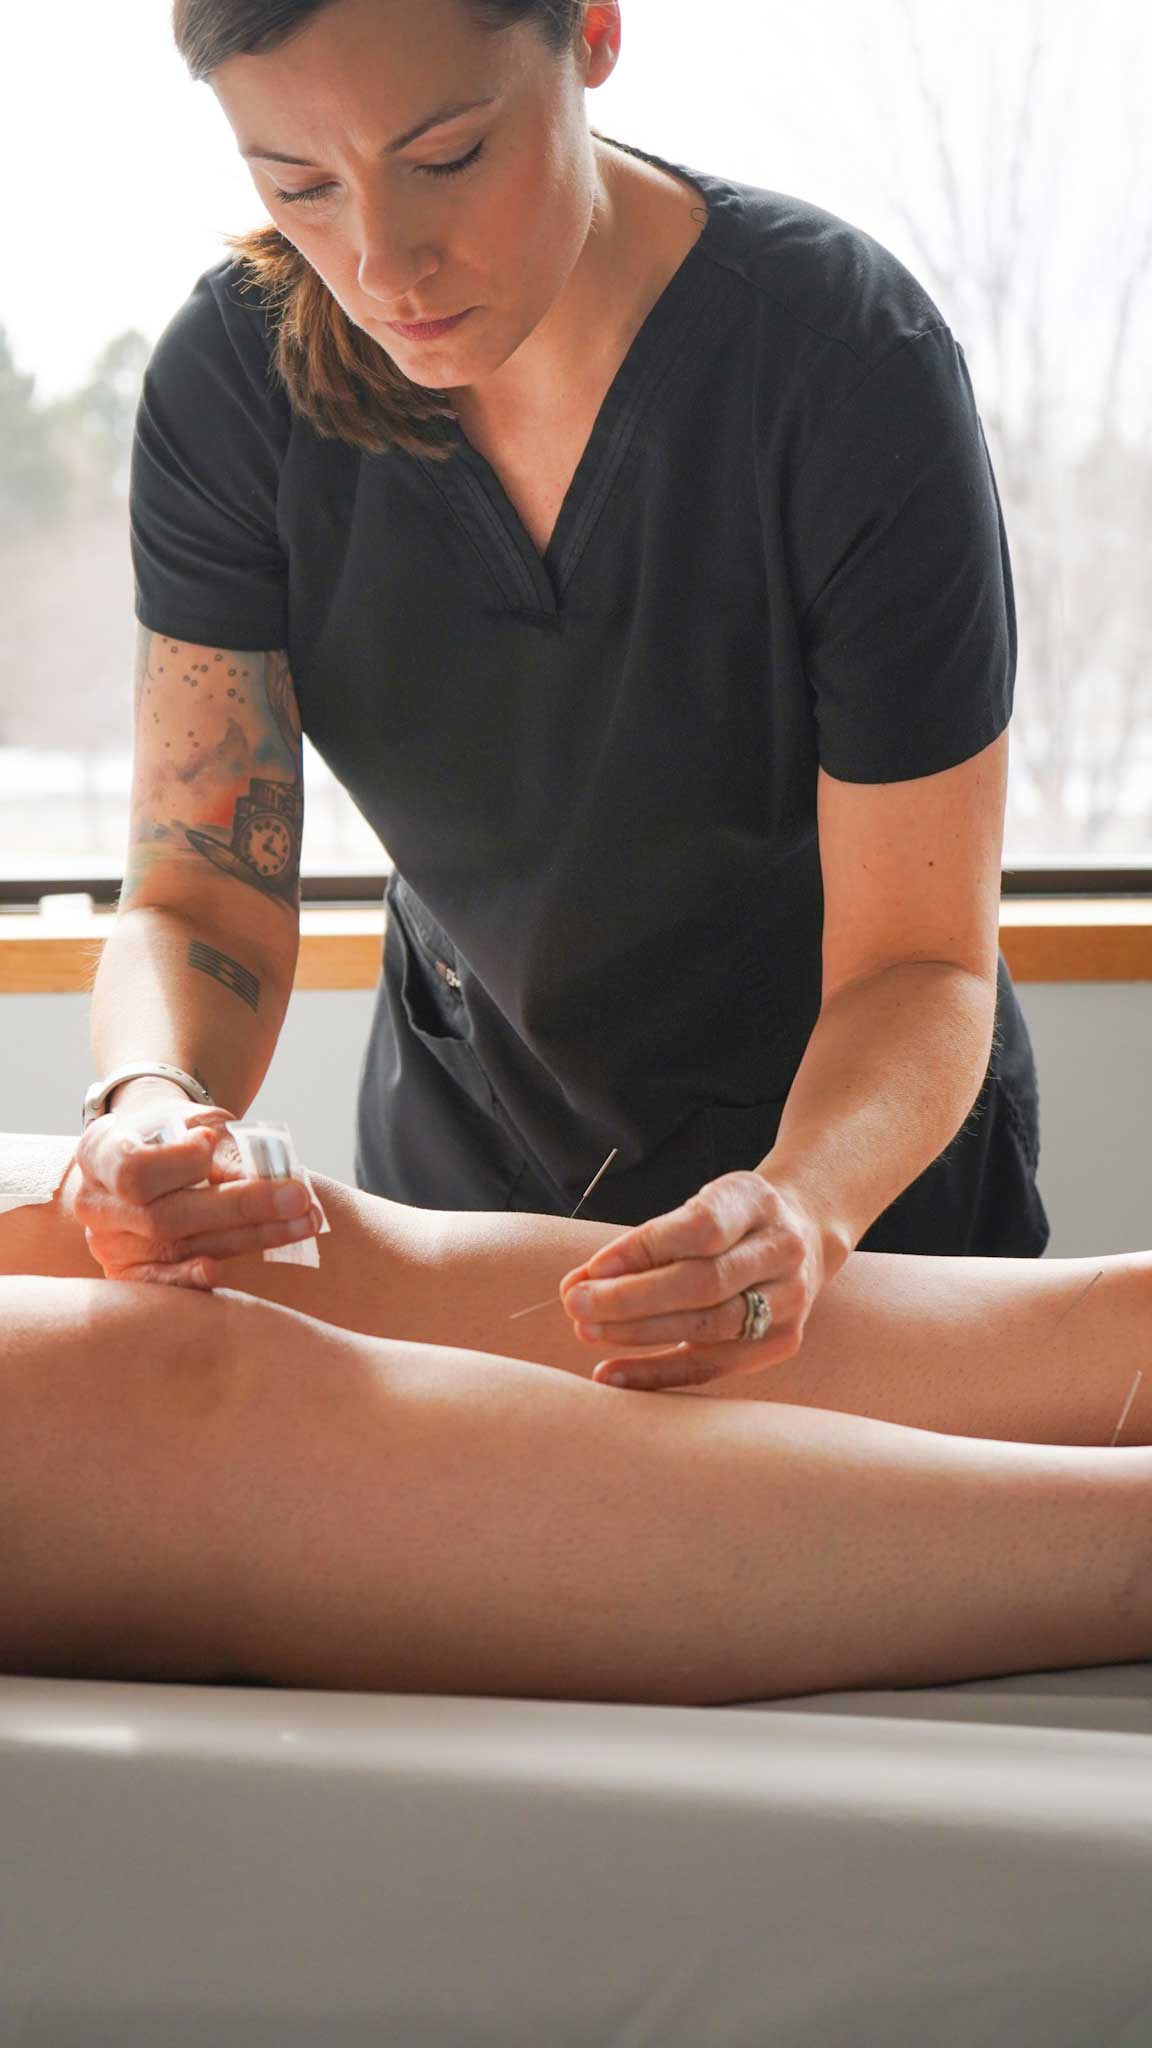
column 601, row 39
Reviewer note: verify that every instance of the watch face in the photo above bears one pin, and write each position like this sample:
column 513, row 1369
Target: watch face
column 265, row 843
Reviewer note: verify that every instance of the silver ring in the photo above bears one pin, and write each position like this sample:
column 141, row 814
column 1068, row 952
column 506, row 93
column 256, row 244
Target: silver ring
column 757, row 1315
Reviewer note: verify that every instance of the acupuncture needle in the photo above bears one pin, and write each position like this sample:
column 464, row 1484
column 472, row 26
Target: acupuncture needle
column 592, row 1185
column 1126, row 1407
column 1124, row 1412
column 1079, row 1298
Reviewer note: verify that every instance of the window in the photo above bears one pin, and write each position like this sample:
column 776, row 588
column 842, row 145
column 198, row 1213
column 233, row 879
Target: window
column 1003, row 153
column 137, row 180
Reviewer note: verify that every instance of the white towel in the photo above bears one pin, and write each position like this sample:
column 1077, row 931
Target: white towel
column 32, row 1167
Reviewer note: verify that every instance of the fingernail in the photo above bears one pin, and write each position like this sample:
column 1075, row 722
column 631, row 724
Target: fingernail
column 290, row 1201
column 578, row 1301
column 610, row 1267
column 170, row 1131
column 317, row 1217
column 615, row 1379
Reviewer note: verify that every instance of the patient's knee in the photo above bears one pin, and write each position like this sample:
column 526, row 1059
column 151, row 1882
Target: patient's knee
column 87, row 1348
column 111, row 1557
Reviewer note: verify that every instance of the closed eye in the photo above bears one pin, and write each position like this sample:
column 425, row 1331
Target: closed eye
column 313, row 193
column 307, row 198
column 453, row 170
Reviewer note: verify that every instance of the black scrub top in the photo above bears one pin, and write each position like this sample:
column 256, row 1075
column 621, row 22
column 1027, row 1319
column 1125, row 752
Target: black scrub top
column 595, row 771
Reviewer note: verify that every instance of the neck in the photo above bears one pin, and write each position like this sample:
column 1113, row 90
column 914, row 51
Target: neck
column 640, row 230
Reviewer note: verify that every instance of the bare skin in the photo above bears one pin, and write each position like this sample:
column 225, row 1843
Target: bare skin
column 309, row 1505
column 1027, row 1350
column 198, row 1487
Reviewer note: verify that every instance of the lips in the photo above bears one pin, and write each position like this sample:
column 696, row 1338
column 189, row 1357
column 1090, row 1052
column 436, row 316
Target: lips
column 427, row 330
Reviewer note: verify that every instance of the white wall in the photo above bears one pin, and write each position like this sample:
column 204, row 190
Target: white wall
column 1093, row 1041
column 1092, row 1047
column 45, row 1068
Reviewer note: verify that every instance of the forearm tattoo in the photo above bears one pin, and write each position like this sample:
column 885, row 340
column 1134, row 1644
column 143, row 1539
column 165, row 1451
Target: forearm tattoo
column 228, row 788
column 229, row 973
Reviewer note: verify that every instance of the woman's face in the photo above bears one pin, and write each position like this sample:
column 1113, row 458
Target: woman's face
column 443, row 169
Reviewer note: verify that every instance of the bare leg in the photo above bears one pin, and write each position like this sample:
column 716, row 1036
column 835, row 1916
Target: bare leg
column 197, row 1485
column 1018, row 1349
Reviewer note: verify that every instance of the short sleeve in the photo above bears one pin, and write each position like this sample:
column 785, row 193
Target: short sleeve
column 900, row 565
column 211, row 429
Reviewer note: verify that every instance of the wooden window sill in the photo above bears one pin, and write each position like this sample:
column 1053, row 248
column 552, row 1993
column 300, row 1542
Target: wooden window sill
column 1044, row 939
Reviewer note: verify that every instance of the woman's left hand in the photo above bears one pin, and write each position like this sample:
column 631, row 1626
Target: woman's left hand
column 681, row 1281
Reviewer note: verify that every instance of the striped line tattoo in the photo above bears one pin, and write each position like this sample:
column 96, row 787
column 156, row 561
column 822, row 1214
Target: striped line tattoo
column 228, row 972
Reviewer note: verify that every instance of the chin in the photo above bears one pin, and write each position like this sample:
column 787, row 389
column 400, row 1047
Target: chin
column 443, row 368
column 444, row 373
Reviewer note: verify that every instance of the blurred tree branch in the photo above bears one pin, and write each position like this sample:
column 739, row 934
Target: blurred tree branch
column 69, row 455
column 1059, row 356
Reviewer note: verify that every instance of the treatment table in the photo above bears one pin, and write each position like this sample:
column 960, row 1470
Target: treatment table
column 961, row 1866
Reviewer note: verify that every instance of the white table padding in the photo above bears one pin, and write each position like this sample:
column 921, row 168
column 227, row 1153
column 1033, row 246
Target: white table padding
column 959, row 1866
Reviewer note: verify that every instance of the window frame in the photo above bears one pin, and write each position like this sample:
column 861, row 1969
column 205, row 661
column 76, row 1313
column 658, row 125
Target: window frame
column 1056, row 878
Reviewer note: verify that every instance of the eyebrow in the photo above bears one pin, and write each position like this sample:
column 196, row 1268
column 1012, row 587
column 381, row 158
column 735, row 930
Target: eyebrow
column 439, row 119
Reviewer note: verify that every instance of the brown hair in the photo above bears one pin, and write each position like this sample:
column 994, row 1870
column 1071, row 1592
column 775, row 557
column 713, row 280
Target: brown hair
column 336, row 376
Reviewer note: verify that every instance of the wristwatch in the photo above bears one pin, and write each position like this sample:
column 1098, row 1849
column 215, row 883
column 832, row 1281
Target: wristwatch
column 96, row 1099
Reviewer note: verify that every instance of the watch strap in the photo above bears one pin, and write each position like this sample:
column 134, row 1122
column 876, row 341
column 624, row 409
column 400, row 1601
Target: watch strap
column 96, row 1100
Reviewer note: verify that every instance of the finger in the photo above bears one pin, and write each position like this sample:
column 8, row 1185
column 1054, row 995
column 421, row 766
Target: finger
column 215, row 1226
column 212, row 1117
column 229, row 1206
column 258, row 1237
column 226, row 1162
column 157, row 1122
column 685, row 1285
column 139, row 1174
column 107, row 1218
column 114, row 1247
column 657, row 1375
column 701, row 1228
column 721, row 1325
column 201, row 1275
column 694, row 1365
column 166, row 1226
column 122, row 1255
column 248, row 1243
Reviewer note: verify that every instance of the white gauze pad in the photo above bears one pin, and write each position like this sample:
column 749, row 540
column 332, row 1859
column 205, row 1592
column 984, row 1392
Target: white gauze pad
column 32, row 1167
column 268, row 1153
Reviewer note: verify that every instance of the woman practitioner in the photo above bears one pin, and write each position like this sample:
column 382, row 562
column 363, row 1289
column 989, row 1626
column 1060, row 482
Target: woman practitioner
column 207, row 1485
column 625, row 540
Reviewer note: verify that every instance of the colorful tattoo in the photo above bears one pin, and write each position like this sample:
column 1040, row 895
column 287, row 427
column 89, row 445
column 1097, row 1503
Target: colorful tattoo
column 281, row 693
column 264, row 848
column 229, row 787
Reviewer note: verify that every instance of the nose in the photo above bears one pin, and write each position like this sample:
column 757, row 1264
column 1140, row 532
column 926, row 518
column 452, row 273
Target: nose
column 391, row 264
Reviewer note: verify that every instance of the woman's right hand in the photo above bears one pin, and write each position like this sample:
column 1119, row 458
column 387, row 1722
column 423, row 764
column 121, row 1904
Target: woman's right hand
column 174, row 1211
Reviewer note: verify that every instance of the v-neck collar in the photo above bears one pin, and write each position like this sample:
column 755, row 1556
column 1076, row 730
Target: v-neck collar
column 689, row 309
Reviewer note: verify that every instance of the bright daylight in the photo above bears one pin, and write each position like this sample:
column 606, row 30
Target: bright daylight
column 575, row 1006
column 1009, row 167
